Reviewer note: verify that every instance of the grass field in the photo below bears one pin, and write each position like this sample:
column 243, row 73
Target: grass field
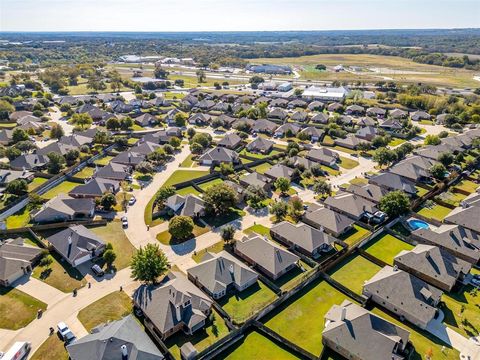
column 52, row 348
column 111, row 307
column 397, row 68
column 59, row 275
column 188, row 162
column 36, row 182
column 301, row 319
column 215, row 248
column 353, row 272
column 184, row 175
column 82, row 88
column 103, row 161
column 355, row 235
column 85, row 173
column 468, row 186
column 20, row 219
column 262, row 168
column 259, row 229
column 201, row 339
column 347, row 163
column 17, row 309
column 386, row 247
column 241, row 305
column 396, row 142
column 166, row 239
column 462, row 311
column 63, row 188
column 256, row 346
column 207, row 184
column 437, row 212
column 188, row 190
column 113, row 233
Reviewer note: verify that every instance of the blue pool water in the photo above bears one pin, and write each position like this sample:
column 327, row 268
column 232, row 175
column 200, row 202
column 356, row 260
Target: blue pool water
column 418, row 224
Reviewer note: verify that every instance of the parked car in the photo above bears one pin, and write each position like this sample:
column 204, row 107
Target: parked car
column 132, row 201
column 125, row 222
column 475, row 282
column 129, row 178
column 97, row 270
column 65, row 333
column 476, row 276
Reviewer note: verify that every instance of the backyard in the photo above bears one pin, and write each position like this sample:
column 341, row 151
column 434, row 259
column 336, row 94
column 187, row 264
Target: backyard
column 355, row 235
column 467, row 185
column 103, row 161
column 36, row 182
column 63, row 188
column 17, row 309
column 435, row 212
column 462, row 310
column 347, row 163
column 262, row 168
column 20, row 219
column 301, row 319
column 111, row 307
column 241, row 305
column 353, row 271
column 386, row 247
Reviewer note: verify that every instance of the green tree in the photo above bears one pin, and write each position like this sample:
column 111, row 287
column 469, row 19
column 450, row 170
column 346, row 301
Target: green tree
column 279, row 209
column 19, row 135
column 446, row 158
column 180, row 119
column 82, row 120
column 160, row 72
column 12, row 153
column 181, row 227
column 145, row 168
column 228, row 232
column 126, row 123
column 295, row 207
column 71, row 156
column 149, row 263
column 163, row 194
column 5, row 109
column 395, row 203
column 322, row 187
column 55, row 162
column 175, row 142
column 201, row 77
column 17, row 187
column 384, row 156
column 56, row 131
column 101, row 137
column 113, row 124
column 282, row 184
column 109, row 257
column 438, row 171
column 432, row 140
column 108, row 201
column 226, row 169
column 202, row 139
column 220, row 198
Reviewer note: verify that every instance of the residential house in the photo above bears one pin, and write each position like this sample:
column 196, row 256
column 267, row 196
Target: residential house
column 355, row 333
column 420, row 115
column 279, row 171
column 327, row 220
column 264, row 126
column 316, row 106
column 6, row 136
column 369, row 192
column 351, row 205
column 29, row 162
column 257, row 180
column 277, row 113
column 320, row 118
column 279, row 102
column 398, row 114
column 76, row 244
column 269, row 258
column 220, row 273
column 315, row 134
column 300, row 116
column 288, row 130
column 376, row 112
column 434, row 265
column 145, row 119
column 260, row 145
column 230, row 141
column 7, row 176
column 219, row 155
column 172, row 305
column 188, row 205
column 297, row 103
column 350, row 142
column 335, row 107
column 302, row 237
column 355, row 109
column 129, row 158
column 367, row 133
column 323, row 156
column 366, row 121
column 302, row 163
column 468, row 217
column 405, row 295
column 200, row 119
column 114, row 171
column 391, row 125
column 414, row 168
column 64, row 208
column 393, row 182
column 118, row 339
column 95, row 188
column 16, row 260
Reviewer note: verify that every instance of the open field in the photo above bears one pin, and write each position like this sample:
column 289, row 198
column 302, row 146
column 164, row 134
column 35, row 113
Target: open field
column 386, row 247
column 353, row 272
column 17, row 309
column 256, row 346
column 384, row 67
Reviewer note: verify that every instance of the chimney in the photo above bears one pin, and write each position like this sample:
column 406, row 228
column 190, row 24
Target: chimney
column 395, row 268
column 124, row 352
column 69, row 251
column 427, row 254
column 343, row 314
column 230, row 268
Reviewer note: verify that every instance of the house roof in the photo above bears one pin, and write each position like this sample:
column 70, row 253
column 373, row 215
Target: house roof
column 28, row 161
column 260, row 144
column 413, row 168
column 351, row 204
column 106, row 341
column 265, row 253
column 230, row 140
column 467, row 217
column 278, row 171
column 328, row 219
column 323, row 155
column 255, row 179
column 434, row 262
column 394, row 181
column 217, row 271
column 63, row 204
column 391, row 124
column 376, row 111
column 313, row 131
column 264, row 125
column 406, row 292
column 128, row 158
column 75, row 242
column 114, row 171
column 96, row 187
column 321, row 118
column 288, row 127
column 188, row 205
column 350, row 140
column 362, row 333
column 302, row 235
column 160, row 302
column 219, row 154
column 370, row 191
column 15, row 256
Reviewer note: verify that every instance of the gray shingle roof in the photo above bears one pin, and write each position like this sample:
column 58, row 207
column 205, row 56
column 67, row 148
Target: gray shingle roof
column 219, row 154
column 467, row 217
column 302, row 235
column 328, row 219
column 260, row 144
column 394, row 181
column 14, row 256
column 96, row 187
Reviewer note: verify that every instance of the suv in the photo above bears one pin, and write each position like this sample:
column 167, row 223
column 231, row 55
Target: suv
column 97, row 270
column 65, row 333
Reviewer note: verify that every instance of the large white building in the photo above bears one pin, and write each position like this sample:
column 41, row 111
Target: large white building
column 325, row 93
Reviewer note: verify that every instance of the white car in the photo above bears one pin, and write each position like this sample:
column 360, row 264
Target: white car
column 132, row 201
column 65, row 333
column 125, row 222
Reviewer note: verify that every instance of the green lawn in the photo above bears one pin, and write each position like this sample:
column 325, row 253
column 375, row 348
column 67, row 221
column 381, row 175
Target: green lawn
column 215, row 248
column 259, row 229
column 256, row 346
column 244, row 152
column 219, row 220
column 386, row 247
column 293, row 277
column 59, row 275
column 189, row 190
column 355, row 235
column 184, row 175
column 62, row 188
column 17, row 309
column 423, row 342
column 20, row 219
column 262, row 168
column 188, row 162
column 468, row 186
column 396, row 142
column 462, row 311
column 85, row 173
column 359, row 181
column 421, row 191
column 52, row 348
column 113, row 233
column 241, row 305
column 437, row 212
column 353, row 272
column 451, row 198
column 103, row 161
column 111, row 307
column 36, row 182
column 347, row 163
column 330, row 171
column 301, row 319
column 207, row 184
column 201, row 339
column 166, row 239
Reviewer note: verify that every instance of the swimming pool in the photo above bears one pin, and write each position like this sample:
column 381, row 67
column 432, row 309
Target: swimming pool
column 418, row 224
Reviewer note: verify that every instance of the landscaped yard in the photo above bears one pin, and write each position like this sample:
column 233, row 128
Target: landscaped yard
column 189, row 190
column 20, row 219
column 293, row 277
column 240, row 306
column 36, row 182
column 259, row 229
column 436, row 212
column 347, row 163
column 396, row 142
column 462, row 311
column 201, row 339
column 17, row 309
column 423, row 342
column 62, row 188
column 355, row 235
column 52, row 348
column 60, row 275
column 85, row 173
column 184, row 175
column 359, row 181
column 301, row 319
column 421, row 191
column 353, row 272
column 262, row 168
column 215, row 248
column 386, row 247
column 451, row 198
column 166, row 239
column 467, row 185
column 113, row 233
column 112, row 307
column 207, row 184
column 256, row 346
column 188, row 162
column 103, row 161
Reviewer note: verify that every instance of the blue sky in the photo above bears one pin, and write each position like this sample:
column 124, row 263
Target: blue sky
column 230, row 15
